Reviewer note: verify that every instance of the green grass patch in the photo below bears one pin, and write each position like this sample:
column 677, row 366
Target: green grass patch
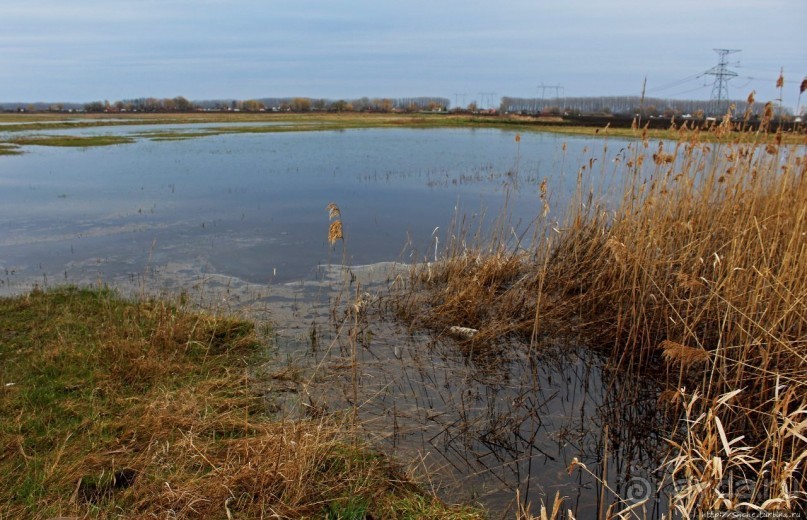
column 71, row 141
column 118, row 409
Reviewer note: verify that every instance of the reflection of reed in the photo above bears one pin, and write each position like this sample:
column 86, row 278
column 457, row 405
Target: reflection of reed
column 493, row 426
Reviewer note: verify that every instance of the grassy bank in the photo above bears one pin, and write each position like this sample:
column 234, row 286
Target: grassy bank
column 118, row 409
column 695, row 276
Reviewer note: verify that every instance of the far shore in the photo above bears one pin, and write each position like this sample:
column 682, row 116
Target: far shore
column 256, row 122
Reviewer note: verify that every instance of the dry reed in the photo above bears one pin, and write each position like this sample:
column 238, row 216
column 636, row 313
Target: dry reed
column 702, row 263
column 335, row 232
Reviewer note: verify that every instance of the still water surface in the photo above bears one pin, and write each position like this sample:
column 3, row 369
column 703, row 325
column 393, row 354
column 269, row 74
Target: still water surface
column 245, row 215
column 253, row 205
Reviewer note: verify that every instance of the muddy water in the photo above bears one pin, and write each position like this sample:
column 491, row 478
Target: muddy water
column 238, row 223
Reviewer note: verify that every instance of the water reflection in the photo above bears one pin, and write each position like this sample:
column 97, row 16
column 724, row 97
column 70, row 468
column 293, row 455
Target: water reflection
column 251, row 205
column 477, row 426
column 483, row 427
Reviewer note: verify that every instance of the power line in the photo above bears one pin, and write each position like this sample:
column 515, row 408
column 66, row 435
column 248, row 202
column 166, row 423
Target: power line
column 689, row 90
column 676, row 83
column 769, row 80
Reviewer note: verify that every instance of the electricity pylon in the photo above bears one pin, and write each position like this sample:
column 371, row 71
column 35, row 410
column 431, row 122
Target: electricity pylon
column 720, row 89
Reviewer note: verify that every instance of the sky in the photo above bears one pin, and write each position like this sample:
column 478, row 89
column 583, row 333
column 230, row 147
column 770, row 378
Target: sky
column 86, row 50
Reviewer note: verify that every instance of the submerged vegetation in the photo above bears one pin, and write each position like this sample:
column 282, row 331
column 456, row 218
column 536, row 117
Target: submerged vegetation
column 692, row 273
column 117, row 409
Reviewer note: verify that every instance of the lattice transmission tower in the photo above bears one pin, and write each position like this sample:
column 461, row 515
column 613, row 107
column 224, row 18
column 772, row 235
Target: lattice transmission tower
column 722, row 74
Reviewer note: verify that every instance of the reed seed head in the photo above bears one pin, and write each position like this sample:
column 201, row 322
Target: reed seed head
column 335, row 232
column 333, row 211
column 768, row 110
column 674, row 352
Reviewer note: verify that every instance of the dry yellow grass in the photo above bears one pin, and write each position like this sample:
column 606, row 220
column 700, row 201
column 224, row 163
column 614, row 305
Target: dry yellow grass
column 116, row 409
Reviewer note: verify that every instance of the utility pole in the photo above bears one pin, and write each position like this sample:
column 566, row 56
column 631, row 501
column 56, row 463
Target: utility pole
column 641, row 102
column 720, row 90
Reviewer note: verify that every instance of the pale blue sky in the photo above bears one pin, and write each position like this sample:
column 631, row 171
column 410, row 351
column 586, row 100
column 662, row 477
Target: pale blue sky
column 83, row 50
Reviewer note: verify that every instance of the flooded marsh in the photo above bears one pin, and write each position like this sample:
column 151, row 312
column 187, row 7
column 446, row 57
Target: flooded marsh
column 237, row 223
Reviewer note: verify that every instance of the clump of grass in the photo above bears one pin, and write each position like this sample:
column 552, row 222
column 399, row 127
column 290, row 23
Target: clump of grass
column 110, row 409
column 71, row 140
column 695, row 276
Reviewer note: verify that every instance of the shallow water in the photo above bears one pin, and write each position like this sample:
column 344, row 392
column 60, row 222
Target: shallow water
column 239, row 222
column 482, row 428
column 253, row 205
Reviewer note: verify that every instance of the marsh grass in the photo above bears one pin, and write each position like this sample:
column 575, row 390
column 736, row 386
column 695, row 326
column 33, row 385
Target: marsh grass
column 71, row 141
column 694, row 276
column 120, row 409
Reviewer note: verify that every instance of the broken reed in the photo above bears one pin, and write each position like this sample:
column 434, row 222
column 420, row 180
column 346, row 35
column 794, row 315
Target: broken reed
column 698, row 273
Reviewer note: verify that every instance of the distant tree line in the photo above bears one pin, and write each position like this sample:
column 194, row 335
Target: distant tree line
column 306, row 104
column 148, row 104
column 41, row 107
column 624, row 105
column 291, row 104
column 617, row 105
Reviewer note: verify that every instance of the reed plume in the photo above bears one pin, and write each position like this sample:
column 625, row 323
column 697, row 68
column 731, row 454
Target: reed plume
column 335, row 232
column 681, row 354
column 335, row 229
column 333, row 211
